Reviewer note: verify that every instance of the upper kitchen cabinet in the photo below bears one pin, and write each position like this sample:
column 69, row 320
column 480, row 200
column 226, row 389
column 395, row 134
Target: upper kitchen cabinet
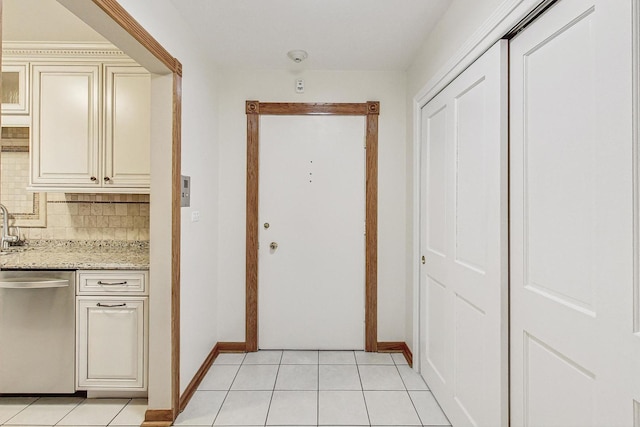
column 65, row 146
column 127, row 128
column 91, row 128
column 15, row 90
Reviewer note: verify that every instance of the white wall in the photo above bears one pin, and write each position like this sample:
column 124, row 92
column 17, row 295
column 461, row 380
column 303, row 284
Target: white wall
column 457, row 25
column 236, row 87
column 198, row 323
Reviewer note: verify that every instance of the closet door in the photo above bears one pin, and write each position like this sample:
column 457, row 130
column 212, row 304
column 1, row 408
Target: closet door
column 463, row 286
column 575, row 347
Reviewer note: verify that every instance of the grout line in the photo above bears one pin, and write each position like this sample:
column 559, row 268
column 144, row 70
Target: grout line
column 366, row 407
column 401, row 379
column 409, row 394
column 318, row 393
column 273, row 391
column 121, row 409
column 228, row 390
column 72, row 409
column 20, row 411
column 438, row 403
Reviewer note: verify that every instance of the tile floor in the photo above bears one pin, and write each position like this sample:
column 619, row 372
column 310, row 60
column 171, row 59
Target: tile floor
column 310, row 388
column 71, row 411
column 267, row 388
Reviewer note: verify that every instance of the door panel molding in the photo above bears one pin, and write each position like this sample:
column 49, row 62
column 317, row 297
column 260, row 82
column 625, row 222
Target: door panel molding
column 463, row 292
column 371, row 110
column 574, row 347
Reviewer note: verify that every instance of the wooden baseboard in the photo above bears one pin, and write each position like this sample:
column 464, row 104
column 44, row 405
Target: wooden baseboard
column 221, row 347
column 156, row 424
column 396, row 347
column 158, row 418
column 232, row 347
column 197, row 378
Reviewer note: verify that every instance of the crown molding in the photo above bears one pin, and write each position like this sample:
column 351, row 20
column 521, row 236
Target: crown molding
column 59, row 49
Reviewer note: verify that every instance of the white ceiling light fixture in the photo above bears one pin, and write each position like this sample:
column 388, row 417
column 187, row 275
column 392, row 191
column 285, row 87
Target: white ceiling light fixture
column 297, row 55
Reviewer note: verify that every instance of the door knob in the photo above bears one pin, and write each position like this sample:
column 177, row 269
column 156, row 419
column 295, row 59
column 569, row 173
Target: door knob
column 273, row 246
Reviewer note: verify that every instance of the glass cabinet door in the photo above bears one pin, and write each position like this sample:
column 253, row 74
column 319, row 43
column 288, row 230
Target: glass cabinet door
column 15, row 99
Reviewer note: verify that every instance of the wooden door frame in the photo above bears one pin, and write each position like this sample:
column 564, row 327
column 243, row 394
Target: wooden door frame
column 122, row 18
column 371, row 110
column 119, row 21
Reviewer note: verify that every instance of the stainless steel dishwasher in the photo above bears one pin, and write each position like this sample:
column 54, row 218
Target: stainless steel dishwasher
column 37, row 331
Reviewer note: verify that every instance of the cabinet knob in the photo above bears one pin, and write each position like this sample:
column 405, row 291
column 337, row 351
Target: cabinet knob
column 107, row 179
column 93, row 178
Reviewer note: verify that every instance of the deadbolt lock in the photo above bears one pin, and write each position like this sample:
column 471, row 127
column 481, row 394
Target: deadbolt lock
column 273, row 246
column 266, row 225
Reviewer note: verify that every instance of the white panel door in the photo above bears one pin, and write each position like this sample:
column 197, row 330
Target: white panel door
column 575, row 351
column 463, row 285
column 312, row 196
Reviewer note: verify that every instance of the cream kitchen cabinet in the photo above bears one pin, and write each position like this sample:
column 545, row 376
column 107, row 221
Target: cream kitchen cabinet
column 112, row 331
column 15, row 90
column 90, row 128
column 65, row 130
column 127, row 127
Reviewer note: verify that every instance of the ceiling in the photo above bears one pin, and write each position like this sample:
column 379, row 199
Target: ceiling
column 43, row 21
column 337, row 34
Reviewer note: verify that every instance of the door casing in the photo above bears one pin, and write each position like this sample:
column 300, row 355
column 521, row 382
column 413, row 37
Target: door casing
column 371, row 111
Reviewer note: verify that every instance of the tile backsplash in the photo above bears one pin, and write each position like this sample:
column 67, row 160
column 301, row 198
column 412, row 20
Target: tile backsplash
column 64, row 216
column 94, row 217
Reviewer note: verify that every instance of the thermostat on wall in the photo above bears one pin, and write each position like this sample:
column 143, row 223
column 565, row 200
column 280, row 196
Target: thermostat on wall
column 185, row 192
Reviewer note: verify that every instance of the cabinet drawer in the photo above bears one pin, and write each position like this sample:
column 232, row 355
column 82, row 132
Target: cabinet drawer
column 123, row 282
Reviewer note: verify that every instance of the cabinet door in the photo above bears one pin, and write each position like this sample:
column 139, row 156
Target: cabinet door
column 15, row 90
column 112, row 346
column 65, row 135
column 127, row 127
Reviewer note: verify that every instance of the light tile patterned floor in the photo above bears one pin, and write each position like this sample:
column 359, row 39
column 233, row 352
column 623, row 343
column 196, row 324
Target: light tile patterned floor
column 311, row 388
column 71, row 411
column 267, row 388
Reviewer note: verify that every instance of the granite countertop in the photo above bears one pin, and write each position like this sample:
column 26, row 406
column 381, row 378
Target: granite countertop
column 77, row 255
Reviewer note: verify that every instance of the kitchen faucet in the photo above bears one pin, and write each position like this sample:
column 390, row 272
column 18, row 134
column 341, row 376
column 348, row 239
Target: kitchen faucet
column 6, row 237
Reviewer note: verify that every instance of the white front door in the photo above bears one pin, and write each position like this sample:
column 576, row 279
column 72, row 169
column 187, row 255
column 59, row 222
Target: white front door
column 311, row 286
column 463, row 284
column 575, row 346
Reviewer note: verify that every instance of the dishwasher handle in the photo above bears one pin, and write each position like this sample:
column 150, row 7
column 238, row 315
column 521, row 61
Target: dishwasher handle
column 32, row 283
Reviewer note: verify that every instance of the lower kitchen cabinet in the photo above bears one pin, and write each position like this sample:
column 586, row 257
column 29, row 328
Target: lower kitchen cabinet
column 112, row 343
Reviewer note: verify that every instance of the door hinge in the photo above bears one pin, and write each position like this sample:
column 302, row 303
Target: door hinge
column 424, row 260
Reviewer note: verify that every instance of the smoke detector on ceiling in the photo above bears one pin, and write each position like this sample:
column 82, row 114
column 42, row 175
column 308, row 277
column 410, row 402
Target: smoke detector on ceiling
column 297, row 56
